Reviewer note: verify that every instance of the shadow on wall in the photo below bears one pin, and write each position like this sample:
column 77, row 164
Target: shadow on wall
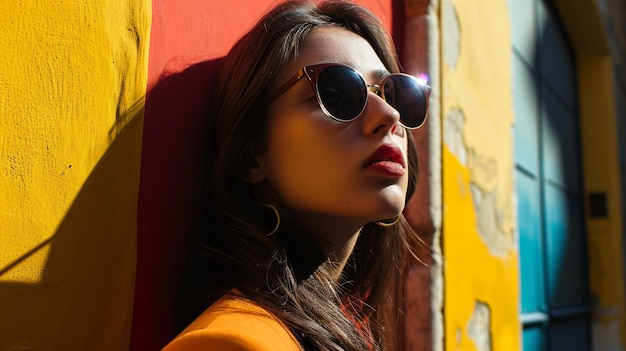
column 89, row 272
column 172, row 172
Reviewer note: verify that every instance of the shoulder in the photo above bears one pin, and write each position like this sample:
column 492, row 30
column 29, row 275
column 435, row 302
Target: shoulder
column 235, row 324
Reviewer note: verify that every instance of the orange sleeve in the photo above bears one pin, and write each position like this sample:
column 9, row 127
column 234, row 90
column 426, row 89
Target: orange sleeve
column 223, row 340
column 235, row 324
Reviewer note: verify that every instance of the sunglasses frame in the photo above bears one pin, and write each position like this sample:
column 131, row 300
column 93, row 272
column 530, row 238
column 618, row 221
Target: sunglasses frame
column 312, row 73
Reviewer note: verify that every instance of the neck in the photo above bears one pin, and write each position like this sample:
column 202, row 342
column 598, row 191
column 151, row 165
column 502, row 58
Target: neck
column 338, row 255
column 336, row 238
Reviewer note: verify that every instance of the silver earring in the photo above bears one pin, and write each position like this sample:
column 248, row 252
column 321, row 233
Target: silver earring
column 277, row 218
column 387, row 224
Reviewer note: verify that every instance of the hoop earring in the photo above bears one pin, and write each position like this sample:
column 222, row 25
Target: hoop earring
column 277, row 218
column 387, row 224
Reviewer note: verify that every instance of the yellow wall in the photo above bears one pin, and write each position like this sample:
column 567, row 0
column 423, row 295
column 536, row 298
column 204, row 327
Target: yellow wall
column 479, row 246
column 602, row 174
column 478, row 174
column 601, row 168
column 72, row 81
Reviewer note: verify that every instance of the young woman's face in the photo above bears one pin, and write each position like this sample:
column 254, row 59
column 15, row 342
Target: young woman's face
column 334, row 174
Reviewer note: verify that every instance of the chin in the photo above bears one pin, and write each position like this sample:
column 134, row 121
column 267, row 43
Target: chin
column 394, row 205
column 393, row 210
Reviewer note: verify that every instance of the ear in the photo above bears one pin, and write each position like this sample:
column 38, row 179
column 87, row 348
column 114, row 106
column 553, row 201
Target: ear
column 255, row 173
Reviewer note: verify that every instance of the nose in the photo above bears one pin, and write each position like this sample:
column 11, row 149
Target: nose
column 379, row 118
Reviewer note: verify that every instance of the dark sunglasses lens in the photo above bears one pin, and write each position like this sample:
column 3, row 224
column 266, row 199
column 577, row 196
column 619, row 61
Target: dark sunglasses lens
column 342, row 92
column 408, row 97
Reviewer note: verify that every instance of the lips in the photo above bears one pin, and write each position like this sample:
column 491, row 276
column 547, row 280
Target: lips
column 387, row 159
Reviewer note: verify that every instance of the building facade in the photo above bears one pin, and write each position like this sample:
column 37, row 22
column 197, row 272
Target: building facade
column 532, row 114
column 521, row 196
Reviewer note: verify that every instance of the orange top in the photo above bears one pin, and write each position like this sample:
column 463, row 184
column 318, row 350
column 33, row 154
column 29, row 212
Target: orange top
column 234, row 323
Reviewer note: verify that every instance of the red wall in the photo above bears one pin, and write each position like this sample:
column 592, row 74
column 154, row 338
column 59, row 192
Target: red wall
column 187, row 38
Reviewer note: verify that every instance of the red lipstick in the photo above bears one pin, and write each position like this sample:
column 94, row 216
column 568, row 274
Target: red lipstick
column 388, row 160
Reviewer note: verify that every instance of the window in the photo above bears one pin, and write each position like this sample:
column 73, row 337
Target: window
column 552, row 240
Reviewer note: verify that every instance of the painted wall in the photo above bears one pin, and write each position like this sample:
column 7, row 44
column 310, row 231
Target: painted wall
column 601, row 52
column 187, row 40
column 479, row 246
column 101, row 114
column 479, row 243
column 72, row 84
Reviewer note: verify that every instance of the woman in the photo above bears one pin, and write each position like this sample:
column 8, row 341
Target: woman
column 311, row 164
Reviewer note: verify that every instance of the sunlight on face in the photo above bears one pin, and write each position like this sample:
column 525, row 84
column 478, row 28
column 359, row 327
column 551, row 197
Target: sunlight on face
column 334, row 174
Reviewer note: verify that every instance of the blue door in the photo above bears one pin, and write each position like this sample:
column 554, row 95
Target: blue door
column 552, row 240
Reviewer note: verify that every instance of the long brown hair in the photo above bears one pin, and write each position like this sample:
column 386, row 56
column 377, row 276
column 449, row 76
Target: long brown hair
column 286, row 273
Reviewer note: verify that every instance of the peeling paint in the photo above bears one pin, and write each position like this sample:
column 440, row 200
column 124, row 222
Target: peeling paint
column 479, row 326
column 484, row 167
column 478, row 176
column 477, row 271
column 489, row 220
column 453, row 130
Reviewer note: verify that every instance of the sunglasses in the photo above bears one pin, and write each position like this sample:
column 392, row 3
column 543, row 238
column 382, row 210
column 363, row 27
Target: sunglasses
column 342, row 94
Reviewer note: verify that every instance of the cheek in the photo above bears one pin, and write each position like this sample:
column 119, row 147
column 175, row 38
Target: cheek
column 303, row 164
column 300, row 140
column 290, row 152
column 298, row 160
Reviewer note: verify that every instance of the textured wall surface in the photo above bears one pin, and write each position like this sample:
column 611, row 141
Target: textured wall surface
column 72, row 83
column 187, row 41
column 479, row 245
column 102, row 105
